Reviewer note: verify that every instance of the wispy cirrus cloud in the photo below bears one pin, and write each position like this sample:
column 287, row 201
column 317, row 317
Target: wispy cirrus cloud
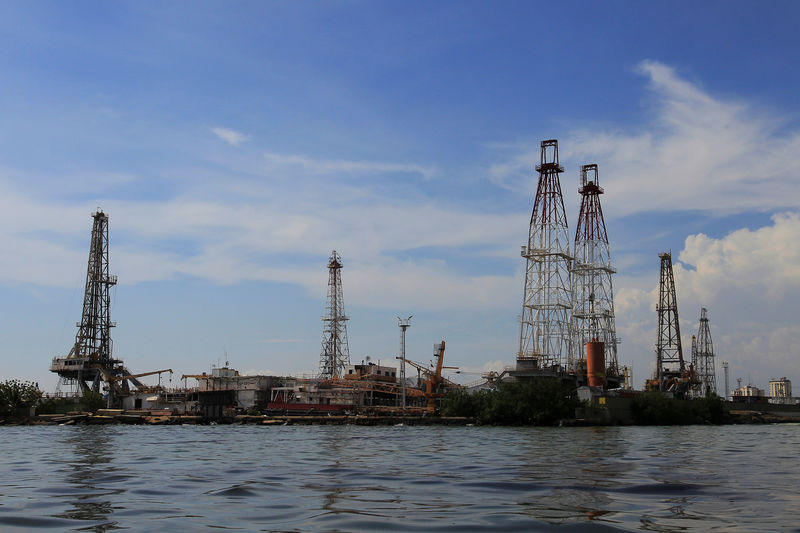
column 232, row 137
column 697, row 151
column 341, row 166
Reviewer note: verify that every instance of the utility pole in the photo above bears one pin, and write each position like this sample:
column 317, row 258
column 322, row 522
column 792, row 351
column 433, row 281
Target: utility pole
column 404, row 324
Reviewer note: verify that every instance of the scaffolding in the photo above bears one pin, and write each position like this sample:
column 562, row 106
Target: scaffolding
column 592, row 291
column 335, row 354
column 545, row 322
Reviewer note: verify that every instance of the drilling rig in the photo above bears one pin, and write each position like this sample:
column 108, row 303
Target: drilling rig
column 592, row 291
column 335, row 354
column 545, row 320
column 90, row 362
column 706, row 379
column 671, row 372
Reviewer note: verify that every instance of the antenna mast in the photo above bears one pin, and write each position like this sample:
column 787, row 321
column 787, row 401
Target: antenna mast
column 335, row 355
column 545, row 322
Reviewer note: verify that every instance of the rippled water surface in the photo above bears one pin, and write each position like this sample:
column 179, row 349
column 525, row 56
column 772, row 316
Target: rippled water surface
column 348, row 478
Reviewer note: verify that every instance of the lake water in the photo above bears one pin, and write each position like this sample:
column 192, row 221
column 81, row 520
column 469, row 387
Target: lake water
column 352, row 478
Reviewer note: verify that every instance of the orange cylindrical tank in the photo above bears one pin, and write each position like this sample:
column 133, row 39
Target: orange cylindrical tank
column 596, row 363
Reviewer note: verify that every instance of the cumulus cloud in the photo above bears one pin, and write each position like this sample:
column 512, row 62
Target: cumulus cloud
column 697, row 151
column 749, row 280
column 232, row 137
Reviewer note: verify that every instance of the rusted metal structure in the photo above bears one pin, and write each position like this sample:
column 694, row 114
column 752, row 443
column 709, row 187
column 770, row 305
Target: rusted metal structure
column 704, row 366
column 544, row 340
column 335, row 354
column 670, row 367
column 592, row 291
column 90, row 362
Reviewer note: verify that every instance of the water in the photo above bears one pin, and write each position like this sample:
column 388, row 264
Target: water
column 348, row 478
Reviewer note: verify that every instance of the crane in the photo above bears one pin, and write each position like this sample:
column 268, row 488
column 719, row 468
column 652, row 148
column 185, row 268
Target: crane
column 143, row 374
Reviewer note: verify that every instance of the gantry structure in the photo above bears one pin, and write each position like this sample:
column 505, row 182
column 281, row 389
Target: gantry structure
column 544, row 341
column 704, row 367
column 90, row 362
column 335, row 354
column 670, row 366
column 592, row 291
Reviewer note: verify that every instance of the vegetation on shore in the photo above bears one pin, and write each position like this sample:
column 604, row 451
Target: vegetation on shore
column 654, row 408
column 538, row 402
column 17, row 397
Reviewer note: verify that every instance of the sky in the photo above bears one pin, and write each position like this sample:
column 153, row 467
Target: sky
column 234, row 145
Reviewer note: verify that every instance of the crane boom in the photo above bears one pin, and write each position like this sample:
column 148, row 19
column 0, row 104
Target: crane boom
column 143, row 374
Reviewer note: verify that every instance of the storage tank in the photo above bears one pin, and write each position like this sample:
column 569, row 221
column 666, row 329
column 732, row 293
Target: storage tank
column 596, row 363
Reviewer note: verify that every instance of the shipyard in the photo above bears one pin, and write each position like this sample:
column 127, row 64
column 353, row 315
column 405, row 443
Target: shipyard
column 567, row 336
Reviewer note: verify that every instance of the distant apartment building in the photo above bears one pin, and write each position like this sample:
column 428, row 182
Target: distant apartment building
column 748, row 391
column 780, row 391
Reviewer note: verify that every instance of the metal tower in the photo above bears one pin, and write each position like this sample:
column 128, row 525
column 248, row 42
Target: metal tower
column 669, row 353
column 727, row 384
column 404, row 324
column 545, row 322
column 335, row 355
column 592, row 292
column 704, row 366
column 90, row 362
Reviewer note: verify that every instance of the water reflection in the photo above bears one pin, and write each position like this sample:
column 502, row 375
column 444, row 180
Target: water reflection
column 91, row 474
column 575, row 469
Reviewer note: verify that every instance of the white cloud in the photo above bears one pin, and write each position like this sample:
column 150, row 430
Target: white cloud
column 698, row 152
column 232, row 137
column 750, row 282
column 340, row 166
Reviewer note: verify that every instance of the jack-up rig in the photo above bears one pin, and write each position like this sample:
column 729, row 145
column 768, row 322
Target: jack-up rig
column 90, row 362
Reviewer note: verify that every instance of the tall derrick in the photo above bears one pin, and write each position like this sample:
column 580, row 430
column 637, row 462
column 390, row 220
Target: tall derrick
column 545, row 322
column 669, row 353
column 704, row 365
column 335, row 355
column 592, row 292
column 90, row 362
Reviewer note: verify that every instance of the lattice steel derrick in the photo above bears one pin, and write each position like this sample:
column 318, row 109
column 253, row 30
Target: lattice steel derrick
column 545, row 321
column 335, row 355
column 592, row 290
column 93, row 339
column 669, row 353
column 705, row 366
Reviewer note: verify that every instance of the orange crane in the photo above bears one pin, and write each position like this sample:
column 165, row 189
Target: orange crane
column 435, row 379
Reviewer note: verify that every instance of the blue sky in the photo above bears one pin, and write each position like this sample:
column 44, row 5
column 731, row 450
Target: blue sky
column 234, row 145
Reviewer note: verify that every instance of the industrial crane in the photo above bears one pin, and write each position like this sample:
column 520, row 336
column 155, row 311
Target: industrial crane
column 143, row 374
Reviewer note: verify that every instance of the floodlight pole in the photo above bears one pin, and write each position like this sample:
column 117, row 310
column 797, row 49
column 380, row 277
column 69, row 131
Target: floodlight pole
column 404, row 324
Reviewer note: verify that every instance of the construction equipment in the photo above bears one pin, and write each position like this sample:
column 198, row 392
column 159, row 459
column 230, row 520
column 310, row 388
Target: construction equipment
column 435, row 379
